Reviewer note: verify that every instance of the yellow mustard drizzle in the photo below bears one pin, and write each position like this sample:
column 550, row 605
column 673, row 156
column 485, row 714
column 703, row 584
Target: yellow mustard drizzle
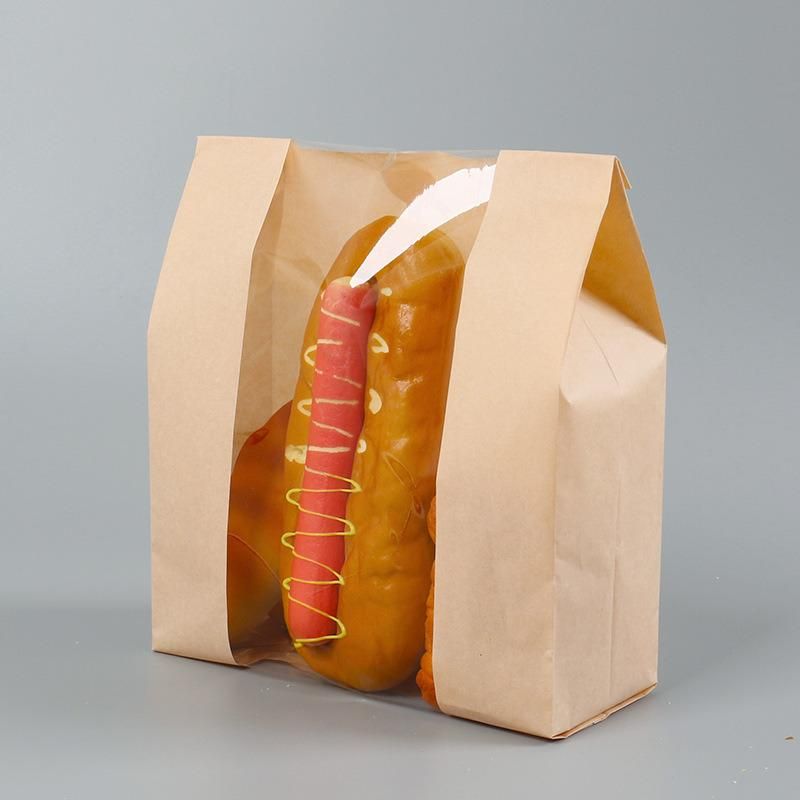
column 337, row 579
column 292, row 495
column 304, row 406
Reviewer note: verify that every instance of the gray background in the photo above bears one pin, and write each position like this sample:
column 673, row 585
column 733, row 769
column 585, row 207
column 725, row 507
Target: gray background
column 99, row 107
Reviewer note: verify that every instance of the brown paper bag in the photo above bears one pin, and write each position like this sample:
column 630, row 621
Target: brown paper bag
column 550, row 474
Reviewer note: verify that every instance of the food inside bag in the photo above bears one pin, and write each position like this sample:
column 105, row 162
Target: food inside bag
column 359, row 469
column 255, row 519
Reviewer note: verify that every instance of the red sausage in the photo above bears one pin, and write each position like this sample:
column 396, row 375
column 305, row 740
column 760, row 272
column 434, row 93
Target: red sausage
column 337, row 416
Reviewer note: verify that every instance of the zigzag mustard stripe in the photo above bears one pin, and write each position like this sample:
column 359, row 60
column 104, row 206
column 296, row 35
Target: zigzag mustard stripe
column 337, row 579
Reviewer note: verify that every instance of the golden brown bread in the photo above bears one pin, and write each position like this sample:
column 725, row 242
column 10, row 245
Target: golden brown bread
column 425, row 674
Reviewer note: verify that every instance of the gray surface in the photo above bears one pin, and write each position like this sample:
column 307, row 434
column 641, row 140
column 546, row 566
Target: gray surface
column 99, row 105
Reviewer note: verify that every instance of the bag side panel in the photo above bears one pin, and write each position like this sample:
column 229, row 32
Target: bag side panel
column 493, row 625
column 608, row 514
column 194, row 349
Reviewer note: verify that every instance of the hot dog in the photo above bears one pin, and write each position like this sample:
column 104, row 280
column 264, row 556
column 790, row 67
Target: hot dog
column 336, row 416
column 357, row 559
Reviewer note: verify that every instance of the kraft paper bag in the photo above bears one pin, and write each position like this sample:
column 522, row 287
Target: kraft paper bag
column 550, row 473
